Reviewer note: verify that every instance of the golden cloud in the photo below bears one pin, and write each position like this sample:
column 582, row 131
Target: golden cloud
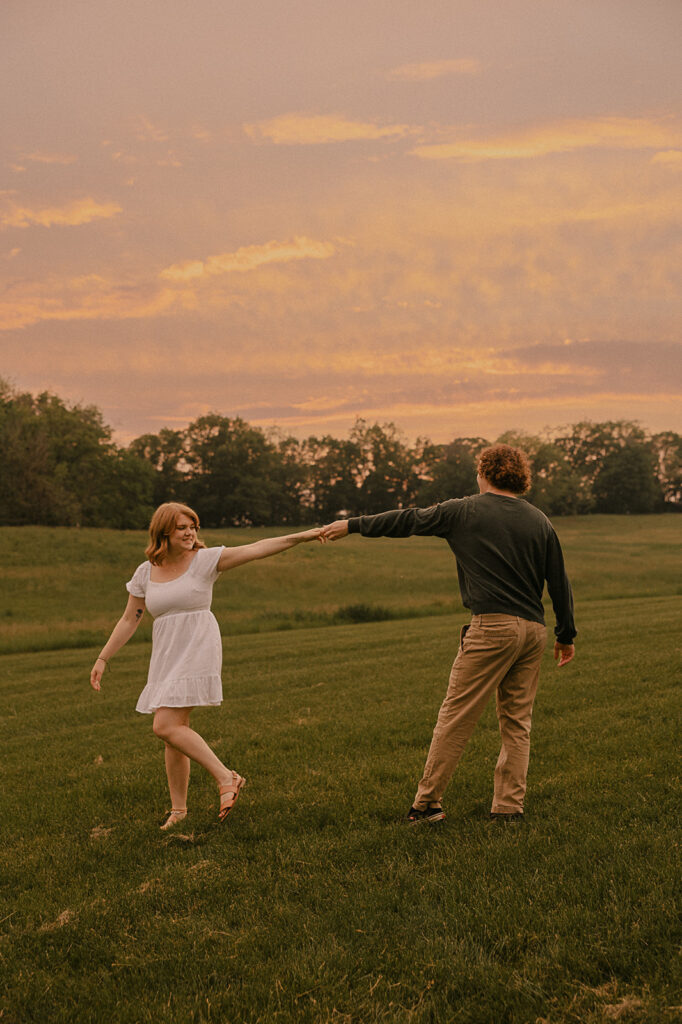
column 318, row 129
column 561, row 137
column 50, row 158
column 399, row 412
column 89, row 297
column 93, row 297
column 82, row 211
column 249, row 257
column 146, row 131
column 668, row 156
column 428, row 70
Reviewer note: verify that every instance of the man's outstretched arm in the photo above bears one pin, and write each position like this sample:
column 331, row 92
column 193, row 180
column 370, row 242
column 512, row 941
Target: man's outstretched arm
column 401, row 522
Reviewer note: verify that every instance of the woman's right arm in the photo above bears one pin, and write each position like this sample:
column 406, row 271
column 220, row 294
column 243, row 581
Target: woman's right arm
column 120, row 635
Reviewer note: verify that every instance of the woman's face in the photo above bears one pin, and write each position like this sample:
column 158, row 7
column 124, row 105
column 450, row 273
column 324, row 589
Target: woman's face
column 183, row 536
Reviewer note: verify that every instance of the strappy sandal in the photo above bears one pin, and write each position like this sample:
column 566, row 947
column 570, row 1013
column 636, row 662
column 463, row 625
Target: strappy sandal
column 175, row 815
column 234, row 787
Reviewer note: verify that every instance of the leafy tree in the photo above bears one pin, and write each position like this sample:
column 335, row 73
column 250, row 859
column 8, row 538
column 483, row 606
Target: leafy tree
column 587, row 446
column 333, row 470
column 60, row 466
column 454, row 475
column 556, row 486
column 668, row 449
column 627, row 481
column 165, row 453
column 81, row 452
column 126, row 493
column 233, row 476
column 385, row 467
column 30, row 492
column 289, row 480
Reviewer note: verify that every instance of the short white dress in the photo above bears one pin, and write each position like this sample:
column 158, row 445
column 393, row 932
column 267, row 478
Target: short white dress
column 187, row 654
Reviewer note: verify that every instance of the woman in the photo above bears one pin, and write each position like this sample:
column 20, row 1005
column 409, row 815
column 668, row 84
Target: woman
column 175, row 585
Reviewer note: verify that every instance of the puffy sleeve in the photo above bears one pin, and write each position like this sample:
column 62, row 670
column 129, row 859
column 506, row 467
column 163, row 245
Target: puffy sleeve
column 207, row 563
column 137, row 586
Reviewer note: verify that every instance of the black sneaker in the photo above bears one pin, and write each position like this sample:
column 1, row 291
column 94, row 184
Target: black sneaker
column 415, row 816
column 506, row 816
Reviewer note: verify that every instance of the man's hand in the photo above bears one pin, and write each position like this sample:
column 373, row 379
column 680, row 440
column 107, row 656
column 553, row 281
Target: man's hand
column 563, row 653
column 335, row 531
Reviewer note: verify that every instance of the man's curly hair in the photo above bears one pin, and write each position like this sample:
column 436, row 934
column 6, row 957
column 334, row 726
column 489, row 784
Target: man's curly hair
column 506, row 468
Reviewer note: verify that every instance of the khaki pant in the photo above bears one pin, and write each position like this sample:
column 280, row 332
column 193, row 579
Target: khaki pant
column 501, row 654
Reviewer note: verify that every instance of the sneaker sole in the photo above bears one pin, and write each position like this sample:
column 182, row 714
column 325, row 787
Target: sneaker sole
column 427, row 821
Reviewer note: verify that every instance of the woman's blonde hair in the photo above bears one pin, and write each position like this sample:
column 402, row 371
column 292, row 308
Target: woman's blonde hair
column 162, row 525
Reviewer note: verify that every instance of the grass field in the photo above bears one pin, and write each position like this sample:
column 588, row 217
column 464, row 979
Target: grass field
column 316, row 903
column 65, row 588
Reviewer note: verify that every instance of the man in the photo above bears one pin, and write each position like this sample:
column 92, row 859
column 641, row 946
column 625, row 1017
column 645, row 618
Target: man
column 505, row 550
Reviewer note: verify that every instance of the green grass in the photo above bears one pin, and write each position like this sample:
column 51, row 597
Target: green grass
column 316, row 903
column 65, row 588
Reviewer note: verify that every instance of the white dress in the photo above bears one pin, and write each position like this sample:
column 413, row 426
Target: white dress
column 187, row 654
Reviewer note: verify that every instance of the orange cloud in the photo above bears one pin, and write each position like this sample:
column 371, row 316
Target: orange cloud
column 200, row 133
column 428, row 70
column 50, row 158
column 668, row 156
column 82, row 211
column 560, row 137
column 146, row 131
column 93, row 297
column 90, row 297
column 318, row 129
column 250, row 257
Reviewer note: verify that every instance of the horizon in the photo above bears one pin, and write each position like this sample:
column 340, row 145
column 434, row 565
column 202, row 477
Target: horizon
column 275, row 430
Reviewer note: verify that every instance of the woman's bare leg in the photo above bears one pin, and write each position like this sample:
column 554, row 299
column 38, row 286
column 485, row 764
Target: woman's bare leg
column 177, row 772
column 172, row 726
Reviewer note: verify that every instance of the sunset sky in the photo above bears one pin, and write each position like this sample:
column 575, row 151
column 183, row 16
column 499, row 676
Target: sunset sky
column 462, row 216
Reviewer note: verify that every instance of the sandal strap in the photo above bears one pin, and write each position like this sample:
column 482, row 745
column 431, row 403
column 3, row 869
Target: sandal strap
column 234, row 786
column 233, row 789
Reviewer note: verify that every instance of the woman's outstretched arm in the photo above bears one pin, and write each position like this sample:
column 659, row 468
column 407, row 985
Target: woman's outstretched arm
column 120, row 635
column 232, row 557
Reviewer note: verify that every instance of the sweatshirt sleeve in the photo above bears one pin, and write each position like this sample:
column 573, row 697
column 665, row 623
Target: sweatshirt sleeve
column 559, row 591
column 435, row 521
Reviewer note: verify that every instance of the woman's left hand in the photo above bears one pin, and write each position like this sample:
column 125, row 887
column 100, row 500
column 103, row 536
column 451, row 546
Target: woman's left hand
column 97, row 673
column 316, row 533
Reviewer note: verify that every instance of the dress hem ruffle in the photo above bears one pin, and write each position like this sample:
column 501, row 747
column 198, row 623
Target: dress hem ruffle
column 149, row 710
column 185, row 692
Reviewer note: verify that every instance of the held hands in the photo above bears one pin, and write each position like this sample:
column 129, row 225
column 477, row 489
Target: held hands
column 335, row 531
column 315, row 534
column 563, row 653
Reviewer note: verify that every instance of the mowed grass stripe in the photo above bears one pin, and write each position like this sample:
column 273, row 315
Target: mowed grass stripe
column 317, row 903
column 65, row 588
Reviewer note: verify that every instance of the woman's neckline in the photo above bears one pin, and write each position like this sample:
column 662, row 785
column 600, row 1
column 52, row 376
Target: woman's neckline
column 175, row 578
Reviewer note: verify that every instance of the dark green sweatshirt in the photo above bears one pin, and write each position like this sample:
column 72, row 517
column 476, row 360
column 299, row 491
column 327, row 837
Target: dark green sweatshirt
column 505, row 550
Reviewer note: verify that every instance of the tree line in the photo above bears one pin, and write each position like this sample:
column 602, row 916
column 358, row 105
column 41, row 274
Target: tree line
column 61, row 466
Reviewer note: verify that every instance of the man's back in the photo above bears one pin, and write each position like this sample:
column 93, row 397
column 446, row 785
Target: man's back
column 505, row 550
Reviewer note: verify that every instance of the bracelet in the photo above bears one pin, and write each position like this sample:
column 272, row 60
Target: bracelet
column 102, row 659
